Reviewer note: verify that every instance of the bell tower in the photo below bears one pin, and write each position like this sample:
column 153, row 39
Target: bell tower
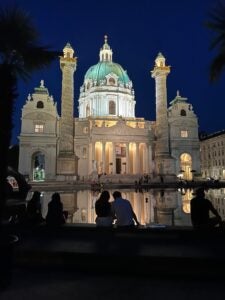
column 67, row 160
column 165, row 164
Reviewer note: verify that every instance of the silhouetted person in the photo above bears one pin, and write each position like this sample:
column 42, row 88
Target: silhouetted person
column 123, row 211
column 55, row 216
column 34, row 215
column 200, row 209
column 103, row 210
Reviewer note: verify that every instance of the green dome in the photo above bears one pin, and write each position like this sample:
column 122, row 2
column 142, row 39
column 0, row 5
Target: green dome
column 103, row 68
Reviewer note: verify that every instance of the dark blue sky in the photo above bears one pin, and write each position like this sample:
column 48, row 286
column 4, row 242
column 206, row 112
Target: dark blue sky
column 136, row 31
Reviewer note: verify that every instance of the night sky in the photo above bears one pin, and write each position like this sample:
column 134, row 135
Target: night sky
column 136, row 31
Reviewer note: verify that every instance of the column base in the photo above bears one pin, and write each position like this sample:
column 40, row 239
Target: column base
column 165, row 166
column 67, row 164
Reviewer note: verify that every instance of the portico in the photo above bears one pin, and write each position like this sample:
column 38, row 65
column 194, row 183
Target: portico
column 120, row 157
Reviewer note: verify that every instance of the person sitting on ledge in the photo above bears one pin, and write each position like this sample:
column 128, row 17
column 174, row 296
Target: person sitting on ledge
column 55, row 216
column 34, row 215
column 123, row 211
column 200, row 210
column 103, row 210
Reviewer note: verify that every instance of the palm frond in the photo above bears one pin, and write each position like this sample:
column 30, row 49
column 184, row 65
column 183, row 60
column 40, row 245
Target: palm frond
column 19, row 43
column 16, row 30
column 217, row 66
column 217, row 25
column 39, row 57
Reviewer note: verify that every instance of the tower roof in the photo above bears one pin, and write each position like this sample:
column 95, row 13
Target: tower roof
column 68, row 52
column 41, row 89
column 178, row 98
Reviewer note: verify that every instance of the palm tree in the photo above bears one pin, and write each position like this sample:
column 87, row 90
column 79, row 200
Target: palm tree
column 20, row 55
column 217, row 25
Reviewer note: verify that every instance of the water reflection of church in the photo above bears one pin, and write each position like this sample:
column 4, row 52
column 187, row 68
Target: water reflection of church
column 107, row 138
column 169, row 207
column 155, row 206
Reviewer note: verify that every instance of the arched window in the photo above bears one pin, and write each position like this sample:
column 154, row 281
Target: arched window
column 40, row 104
column 112, row 108
column 183, row 112
column 112, row 81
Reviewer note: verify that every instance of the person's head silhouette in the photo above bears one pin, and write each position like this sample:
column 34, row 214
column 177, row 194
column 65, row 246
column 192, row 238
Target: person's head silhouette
column 200, row 193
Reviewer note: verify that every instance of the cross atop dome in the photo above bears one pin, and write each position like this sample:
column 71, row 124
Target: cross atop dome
column 106, row 45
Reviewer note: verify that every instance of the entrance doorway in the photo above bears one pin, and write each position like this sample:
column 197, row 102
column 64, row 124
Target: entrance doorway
column 118, row 165
column 120, row 157
column 186, row 166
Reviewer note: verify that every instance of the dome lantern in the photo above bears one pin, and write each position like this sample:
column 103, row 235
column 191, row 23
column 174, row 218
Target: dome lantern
column 105, row 53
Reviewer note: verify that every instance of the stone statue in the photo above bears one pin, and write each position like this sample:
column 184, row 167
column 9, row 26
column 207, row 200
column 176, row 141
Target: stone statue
column 42, row 84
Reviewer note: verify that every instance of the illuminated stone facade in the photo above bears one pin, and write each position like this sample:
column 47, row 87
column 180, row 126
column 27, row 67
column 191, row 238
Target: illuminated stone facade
column 213, row 155
column 39, row 132
column 107, row 140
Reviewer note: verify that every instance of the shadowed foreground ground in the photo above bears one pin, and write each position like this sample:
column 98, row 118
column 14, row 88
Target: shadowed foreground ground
column 59, row 285
column 87, row 263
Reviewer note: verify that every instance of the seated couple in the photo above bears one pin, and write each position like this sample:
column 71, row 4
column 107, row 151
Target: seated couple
column 120, row 209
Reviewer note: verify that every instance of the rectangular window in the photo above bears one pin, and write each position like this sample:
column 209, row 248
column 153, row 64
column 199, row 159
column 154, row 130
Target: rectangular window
column 39, row 128
column 184, row 133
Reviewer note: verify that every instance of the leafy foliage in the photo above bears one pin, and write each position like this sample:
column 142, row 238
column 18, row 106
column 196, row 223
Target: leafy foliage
column 19, row 43
column 217, row 25
column 20, row 55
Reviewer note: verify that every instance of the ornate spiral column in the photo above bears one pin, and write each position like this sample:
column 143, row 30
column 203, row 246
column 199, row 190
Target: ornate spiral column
column 165, row 164
column 67, row 160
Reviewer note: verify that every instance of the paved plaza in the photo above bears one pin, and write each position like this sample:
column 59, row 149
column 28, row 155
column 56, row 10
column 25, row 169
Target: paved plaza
column 31, row 284
column 87, row 263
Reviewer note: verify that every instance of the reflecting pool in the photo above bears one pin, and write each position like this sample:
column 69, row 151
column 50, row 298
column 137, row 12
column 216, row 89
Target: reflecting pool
column 168, row 206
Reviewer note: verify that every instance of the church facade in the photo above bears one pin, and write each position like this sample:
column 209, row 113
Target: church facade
column 107, row 140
